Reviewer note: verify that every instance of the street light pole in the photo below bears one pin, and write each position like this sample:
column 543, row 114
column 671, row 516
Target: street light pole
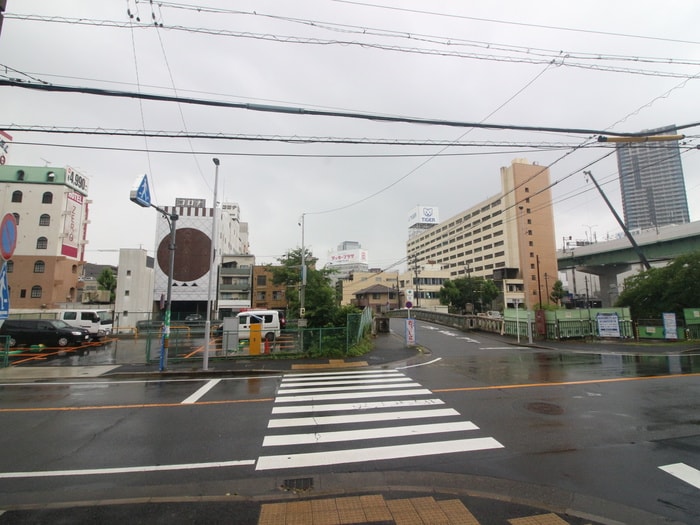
column 212, row 270
column 165, row 337
column 302, row 288
column 141, row 195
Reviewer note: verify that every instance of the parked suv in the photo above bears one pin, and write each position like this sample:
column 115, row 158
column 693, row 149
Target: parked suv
column 47, row 332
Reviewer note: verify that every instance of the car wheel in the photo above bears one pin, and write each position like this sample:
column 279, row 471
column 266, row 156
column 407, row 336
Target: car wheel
column 62, row 341
column 13, row 341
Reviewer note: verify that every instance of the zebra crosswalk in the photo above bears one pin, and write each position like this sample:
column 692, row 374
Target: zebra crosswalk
column 358, row 416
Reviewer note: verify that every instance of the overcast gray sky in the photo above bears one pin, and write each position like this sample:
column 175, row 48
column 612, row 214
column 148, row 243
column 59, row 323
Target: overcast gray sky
column 621, row 66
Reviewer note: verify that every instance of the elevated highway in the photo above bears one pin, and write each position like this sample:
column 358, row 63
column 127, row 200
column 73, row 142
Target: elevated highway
column 610, row 259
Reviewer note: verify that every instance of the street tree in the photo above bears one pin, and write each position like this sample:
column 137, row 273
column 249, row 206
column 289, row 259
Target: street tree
column 672, row 288
column 557, row 293
column 319, row 296
column 107, row 281
column 457, row 293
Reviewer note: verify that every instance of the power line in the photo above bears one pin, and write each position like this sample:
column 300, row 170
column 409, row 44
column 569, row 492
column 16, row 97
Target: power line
column 522, row 24
column 290, row 110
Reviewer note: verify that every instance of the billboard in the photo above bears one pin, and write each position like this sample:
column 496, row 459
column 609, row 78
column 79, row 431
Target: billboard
column 423, row 215
column 72, row 225
column 348, row 257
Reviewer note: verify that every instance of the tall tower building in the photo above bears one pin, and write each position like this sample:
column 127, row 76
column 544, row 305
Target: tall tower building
column 652, row 183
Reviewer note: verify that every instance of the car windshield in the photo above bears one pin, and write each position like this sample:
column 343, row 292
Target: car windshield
column 60, row 324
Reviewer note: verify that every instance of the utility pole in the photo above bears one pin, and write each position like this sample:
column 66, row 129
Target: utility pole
column 635, row 246
column 416, row 271
column 539, row 286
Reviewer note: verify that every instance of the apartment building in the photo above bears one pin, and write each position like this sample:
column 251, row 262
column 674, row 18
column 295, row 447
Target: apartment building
column 50, row 207
column 508, row 238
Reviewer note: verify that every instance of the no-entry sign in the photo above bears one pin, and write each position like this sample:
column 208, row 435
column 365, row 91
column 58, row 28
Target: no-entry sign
column 8, row 236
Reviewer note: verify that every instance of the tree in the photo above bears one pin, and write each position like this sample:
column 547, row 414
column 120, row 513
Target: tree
column 672, row 288
column 557, row 293
column 319, row 295
column 107, row 281
column 460, row 292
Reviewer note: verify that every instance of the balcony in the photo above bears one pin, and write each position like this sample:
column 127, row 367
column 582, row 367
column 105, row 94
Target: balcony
column 245, row 272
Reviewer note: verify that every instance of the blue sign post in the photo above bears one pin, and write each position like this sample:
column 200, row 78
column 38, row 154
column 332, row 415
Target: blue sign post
column 4, row 292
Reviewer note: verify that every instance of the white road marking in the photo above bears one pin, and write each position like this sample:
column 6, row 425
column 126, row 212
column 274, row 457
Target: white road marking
column 684, row 472
column 366, row 433
column 123, row 470
column 312, row 459
column 505, row 348
column 201, row 391
column 338, row 407
column 360, row 418
column 353, row 395
column 325, row 375
column 419, row 364
column 355, row 386
column 469, row 340
column 383, row 380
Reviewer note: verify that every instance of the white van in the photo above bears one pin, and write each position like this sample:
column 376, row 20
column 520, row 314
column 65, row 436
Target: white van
column 97, row 322
column 270, row 320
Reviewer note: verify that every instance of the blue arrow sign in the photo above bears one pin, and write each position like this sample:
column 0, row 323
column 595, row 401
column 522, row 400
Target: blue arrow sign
column 4, row 293
column 142, row 194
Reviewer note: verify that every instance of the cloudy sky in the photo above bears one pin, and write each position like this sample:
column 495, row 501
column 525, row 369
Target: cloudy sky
column 622, row 66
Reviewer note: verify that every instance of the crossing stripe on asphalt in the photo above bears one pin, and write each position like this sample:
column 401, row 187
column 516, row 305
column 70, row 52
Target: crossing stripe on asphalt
column 314, row 459
column 349, row 381
column 684, row 472
column 353, row 395
column 339, row 407
column 354, row 387
column 360, row 418
column 364, row 433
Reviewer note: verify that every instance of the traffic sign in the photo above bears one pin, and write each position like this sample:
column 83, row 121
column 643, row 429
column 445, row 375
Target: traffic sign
column 4, row 293
column 141, row 194
column 409, row 304
column 8, row 236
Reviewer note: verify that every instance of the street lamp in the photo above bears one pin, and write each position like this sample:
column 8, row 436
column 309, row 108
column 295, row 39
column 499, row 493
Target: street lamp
column 302, row 287
column 517, row 318
column 212, row 270
column 141, row 195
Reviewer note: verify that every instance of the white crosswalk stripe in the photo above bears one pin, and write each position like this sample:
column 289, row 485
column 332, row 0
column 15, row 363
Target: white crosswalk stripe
column 359, row 416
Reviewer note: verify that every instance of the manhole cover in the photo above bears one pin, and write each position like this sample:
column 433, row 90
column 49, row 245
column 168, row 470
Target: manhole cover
column 540, row 407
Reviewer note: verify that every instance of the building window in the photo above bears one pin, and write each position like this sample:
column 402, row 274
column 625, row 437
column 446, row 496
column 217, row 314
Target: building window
column 277, row 295
column 36, row 292
column 262, row 280
column 260, row 296
column 23, row 294
column 10, row 266
column 45, row 219
column 47, row 198
column 42, row 243
column 128, row 273
column 16, row 196
column 39, row 267
column 126, row 293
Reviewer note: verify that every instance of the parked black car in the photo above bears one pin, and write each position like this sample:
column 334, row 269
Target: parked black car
column 47, row 332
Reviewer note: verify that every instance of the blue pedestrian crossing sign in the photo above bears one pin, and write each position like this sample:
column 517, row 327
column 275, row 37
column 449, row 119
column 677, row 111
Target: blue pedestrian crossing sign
column 4, row 292
column 141, row 194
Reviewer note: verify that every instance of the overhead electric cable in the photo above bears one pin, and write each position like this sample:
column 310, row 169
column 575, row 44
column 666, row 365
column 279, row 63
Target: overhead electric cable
column 288, row 110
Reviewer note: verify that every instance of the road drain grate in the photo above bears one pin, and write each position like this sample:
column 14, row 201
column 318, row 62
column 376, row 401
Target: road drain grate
column 298, row 484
